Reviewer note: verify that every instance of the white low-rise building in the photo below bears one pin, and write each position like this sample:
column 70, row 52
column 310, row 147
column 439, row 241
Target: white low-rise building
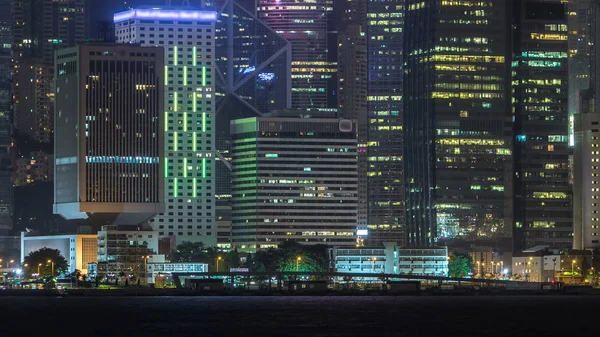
column 391, row 259
column 429, row 261
column 365, row 260
column 77, row 249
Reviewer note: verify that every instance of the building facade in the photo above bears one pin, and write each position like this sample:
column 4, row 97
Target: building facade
column 586, row 183
column 305, row 25
column 77, row 249
column 126, row 249
column 390, row 258
column 543, row 192
column 37, row 167
column 6, row 191
column 188, row 38
column 253, row 76
column 385, row 134
column 34, row 99
column 40, row 28
column 109, row 139
column 457, row 121
column 293, row 179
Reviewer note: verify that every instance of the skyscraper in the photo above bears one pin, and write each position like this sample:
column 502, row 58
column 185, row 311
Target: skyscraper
column 385, row 22
column 305, row 24
column 352, row 101
column 188, row 37
column 6, row 192
column 457, row 120
column 294, row 179
column 109, row 140
column 543, row 194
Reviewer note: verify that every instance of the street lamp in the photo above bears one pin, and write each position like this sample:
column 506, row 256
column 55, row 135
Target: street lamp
column 298, row 259
column 219, row 258
column 146, row 257
column 52, row 262
column 573, row 270
column 8, row 263
column 39, row 265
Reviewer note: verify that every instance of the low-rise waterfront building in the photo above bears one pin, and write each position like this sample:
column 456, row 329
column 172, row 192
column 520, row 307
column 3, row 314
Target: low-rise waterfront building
column 391, row 259
column 77, row 249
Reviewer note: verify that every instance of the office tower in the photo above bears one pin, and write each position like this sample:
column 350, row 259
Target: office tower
column 305, row 24
column 352, row 102
column 108, row 143
column 293, row 179
column 370, row 91
column 585, row 168
column 188, row 37
column 6, row 192
column 586, row 173
column 385, row 119
column 581, row 45
column 543, row 194
column 457, row 121
column 253, row 77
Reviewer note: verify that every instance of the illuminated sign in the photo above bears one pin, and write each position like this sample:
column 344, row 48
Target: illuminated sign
column 362, row 232
column 162, row 14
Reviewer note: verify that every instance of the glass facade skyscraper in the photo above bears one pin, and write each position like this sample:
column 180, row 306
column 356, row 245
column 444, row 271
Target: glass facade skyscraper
column 385, row 118
column 457, row 120
column 543, row 193
column 305, row 24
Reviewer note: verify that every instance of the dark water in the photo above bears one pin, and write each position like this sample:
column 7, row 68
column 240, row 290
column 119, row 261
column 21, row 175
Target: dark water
column 300, row 316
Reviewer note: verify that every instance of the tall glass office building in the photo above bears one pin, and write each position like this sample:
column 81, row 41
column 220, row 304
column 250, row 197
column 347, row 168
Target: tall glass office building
column 457, row 120
column 385, row 112
column 305, row 24
column 543, row 193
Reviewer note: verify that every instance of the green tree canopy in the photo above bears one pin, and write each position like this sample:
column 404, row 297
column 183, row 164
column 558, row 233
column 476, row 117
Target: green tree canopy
column 313, row 258
column 459, row 265
column 196, row 252
column 44, row 258
column 188, row 251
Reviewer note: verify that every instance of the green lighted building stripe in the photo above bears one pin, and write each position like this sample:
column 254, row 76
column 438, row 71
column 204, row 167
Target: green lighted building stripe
column 174, row 187
column 166, row 75
column 195, row 187
column 175, row 101
column 194, row 141
column 185, row 121
column 184, row 75
column 194, row 55
column 185, row 167
column 175, row 55
column 175, row 141
column 203, row 76
column 204, row 122
column 203, row 167
column 166, row 167
column 166, row 121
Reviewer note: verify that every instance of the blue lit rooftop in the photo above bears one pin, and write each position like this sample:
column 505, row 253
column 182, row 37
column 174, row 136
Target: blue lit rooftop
column 165, row 14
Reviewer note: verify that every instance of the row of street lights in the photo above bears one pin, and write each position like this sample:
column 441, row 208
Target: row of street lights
column 497, row 267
